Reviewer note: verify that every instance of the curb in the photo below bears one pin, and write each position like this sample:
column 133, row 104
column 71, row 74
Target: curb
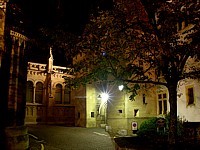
column 35, row 143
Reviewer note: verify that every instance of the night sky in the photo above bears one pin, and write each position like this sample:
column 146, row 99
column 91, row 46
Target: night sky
column 72, row 15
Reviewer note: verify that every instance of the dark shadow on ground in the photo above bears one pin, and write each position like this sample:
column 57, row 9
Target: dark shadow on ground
column 138, row 143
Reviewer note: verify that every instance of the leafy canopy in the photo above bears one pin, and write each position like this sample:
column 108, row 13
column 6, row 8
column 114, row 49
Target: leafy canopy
column 120, row 45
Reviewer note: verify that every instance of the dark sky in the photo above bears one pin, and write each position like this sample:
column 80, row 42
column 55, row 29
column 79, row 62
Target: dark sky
column 72, row 15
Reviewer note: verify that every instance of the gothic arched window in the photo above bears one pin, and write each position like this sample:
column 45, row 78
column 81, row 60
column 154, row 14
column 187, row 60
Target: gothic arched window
column 29, row 92
column 39, row 92
column 58, row 95
column 66, row 95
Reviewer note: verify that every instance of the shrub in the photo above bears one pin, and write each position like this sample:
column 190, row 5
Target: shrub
column 180, row 129
column 148, row 129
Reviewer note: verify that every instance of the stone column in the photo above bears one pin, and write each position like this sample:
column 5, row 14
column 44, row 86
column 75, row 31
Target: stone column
column 16, row 132
column 2, row 26
column 34, row 87
column 3, row 103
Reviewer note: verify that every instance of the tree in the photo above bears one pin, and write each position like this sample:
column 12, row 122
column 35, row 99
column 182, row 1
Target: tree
column 178, row 47
column 116, row 41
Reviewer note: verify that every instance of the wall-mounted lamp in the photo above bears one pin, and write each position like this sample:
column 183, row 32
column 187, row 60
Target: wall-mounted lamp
column 120, row 87
column 104, row 97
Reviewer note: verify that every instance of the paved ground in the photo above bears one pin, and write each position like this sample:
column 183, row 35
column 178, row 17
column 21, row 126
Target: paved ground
column 68, row 138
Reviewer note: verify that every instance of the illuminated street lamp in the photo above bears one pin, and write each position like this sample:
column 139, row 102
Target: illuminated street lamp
column 104, row 99
column 121, row 87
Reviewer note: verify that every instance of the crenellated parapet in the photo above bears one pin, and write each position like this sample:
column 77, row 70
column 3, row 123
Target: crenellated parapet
column 18, row 36
column 32, row 72
column 58, row 75
column 18, row 39
column 36, row 66
column 41, row 69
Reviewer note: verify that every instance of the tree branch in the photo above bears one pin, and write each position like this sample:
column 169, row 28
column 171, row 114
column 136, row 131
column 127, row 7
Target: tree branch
column 151, row 82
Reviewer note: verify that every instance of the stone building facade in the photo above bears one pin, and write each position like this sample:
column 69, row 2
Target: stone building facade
column 49, row 100
column 117, row 114
column 121, row 116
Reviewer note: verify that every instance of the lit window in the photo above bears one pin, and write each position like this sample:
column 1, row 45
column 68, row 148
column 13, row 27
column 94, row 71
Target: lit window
column 144, row 99
column 190, row 95
column 162, row 103
column 58, row 95
column 92, row 114
column 120, row 111
column 39, row 92
column 29, row 92
column 136, row 112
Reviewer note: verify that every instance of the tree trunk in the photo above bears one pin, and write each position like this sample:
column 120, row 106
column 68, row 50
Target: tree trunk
column 172, row 138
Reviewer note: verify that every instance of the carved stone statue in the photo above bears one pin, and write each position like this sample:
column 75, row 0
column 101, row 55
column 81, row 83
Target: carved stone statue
column 50, row 62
